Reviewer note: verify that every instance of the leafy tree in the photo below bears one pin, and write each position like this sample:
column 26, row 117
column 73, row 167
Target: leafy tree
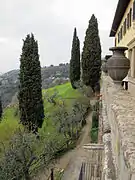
column 91, row 55
column 26, row 155
column 70, row 122
column 0, row 109
column 75, row 60
column 51, row 98
column 30, row 89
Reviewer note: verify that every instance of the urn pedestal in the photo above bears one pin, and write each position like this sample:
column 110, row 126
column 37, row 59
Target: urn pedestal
column 118, row 65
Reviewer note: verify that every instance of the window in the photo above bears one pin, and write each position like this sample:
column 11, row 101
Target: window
column 118, row 37
column 130, row 17
column 128, row 21
column 122, row 31
column 120, row 34
column 134, row 10
column 125, row 26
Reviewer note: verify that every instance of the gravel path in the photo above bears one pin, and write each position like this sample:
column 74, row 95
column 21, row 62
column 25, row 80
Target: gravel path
column 72, row 160
column 76, row 157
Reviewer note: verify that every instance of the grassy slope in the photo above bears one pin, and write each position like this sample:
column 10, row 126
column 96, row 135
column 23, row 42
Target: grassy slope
column 10, row 123
column 66, row 93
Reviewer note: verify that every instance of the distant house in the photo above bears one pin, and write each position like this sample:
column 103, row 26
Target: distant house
column 123, row 29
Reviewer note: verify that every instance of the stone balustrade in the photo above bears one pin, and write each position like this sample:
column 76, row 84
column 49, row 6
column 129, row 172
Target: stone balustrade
column 118, row 118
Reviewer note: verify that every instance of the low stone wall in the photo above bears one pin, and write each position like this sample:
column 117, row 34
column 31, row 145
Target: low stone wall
column 118, row 116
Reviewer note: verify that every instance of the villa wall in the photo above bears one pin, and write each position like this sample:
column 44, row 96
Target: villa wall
column 128, row 40
column 130, row 33
column 118, row 116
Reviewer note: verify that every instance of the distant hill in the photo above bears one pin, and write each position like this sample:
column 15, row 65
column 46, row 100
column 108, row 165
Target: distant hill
column 51, row 76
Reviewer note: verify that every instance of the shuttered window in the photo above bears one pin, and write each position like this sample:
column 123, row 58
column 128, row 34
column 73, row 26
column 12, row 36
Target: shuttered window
column 128, row 21
column 134, row 10
column 121, row 33
column 118, row 37
column 125, row 26
column 130, row 17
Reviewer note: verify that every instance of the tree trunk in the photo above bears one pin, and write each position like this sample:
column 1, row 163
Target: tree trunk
column 52, row 174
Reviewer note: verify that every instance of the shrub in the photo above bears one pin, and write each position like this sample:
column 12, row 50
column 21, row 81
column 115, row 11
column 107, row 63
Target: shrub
column 94, row 135
column 96, row 106
column 26, row 155
column 85, row 90
column 70, row 121
column 16, row 113
column 95, row 119
column 94, row 129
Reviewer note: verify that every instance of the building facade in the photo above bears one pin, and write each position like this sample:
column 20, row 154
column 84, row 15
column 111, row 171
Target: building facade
column 123, row 29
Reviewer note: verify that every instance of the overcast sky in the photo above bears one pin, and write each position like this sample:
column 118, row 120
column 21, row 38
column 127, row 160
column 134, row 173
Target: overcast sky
column 52, row 22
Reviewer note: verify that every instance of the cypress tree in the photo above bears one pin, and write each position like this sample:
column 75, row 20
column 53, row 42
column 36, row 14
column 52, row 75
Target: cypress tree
column 1, row 111
column 30, row 88
column 75, row 60
column 91, row 55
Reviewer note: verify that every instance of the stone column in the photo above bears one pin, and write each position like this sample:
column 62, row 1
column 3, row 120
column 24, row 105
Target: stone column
column 133, row 63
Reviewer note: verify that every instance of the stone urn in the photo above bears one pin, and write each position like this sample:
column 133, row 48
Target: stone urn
column 104, row 66
column 118, row 65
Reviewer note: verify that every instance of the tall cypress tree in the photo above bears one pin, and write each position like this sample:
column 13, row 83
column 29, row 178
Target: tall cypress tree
column 91, row 55
column 1, row 111
column 30, row 89
column 75, row 60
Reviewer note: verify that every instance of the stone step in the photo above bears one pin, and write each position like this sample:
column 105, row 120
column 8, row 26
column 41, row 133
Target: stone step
column 90, row 171
column 94, row 146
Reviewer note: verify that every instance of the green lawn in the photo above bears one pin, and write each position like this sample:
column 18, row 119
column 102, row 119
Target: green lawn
column 10, row 122
column 8, row 125
column 65, row 91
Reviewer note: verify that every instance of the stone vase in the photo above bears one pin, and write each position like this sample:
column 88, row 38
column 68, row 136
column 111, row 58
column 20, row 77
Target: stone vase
column 118, row 65
column 104, row 66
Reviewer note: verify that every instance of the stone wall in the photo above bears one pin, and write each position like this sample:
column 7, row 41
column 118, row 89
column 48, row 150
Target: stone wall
column 118, row 118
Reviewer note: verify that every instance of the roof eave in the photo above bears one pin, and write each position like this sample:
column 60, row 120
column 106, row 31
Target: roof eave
column 121, row 7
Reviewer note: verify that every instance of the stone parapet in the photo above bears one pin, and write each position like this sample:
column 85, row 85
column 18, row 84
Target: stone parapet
column 119, row 120
column 109, row 169
column 106, row 125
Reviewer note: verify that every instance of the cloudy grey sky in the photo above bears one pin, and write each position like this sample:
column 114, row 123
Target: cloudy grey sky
column 52, row 22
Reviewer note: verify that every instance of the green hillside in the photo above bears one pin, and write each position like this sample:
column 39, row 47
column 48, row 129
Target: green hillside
column 10, row 122
column 65, row 115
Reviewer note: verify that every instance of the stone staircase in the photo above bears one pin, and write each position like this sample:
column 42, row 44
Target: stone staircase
column 92, row 168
